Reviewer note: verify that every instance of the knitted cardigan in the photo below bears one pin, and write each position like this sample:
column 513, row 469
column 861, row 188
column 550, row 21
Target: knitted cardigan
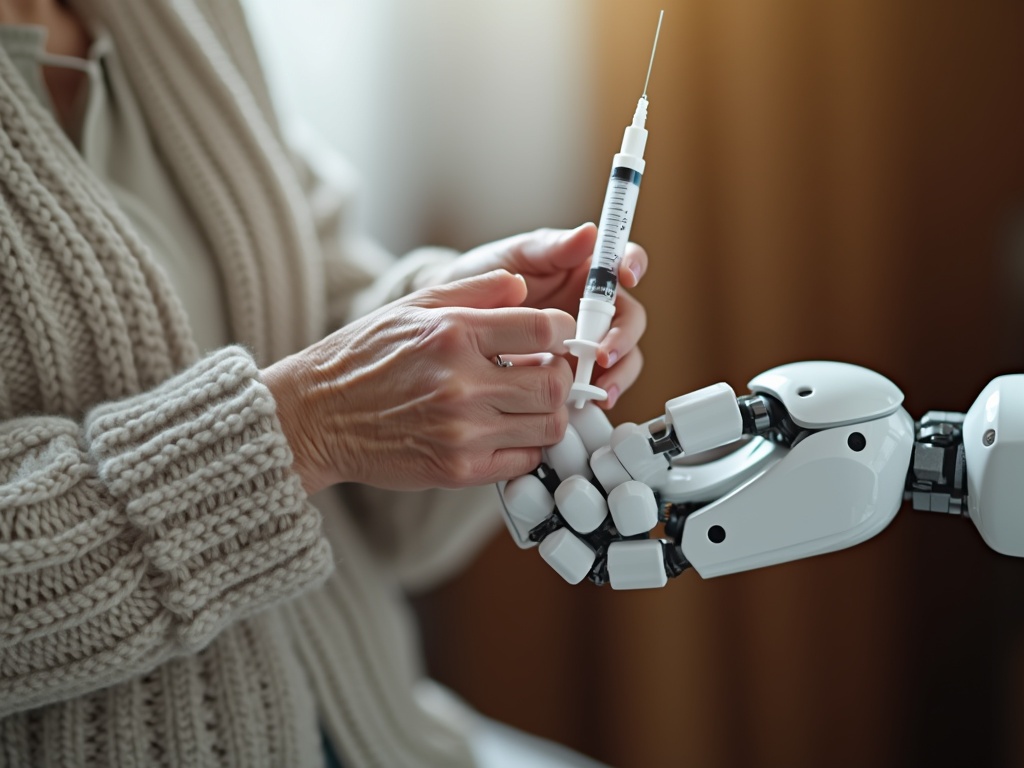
column 168, row 595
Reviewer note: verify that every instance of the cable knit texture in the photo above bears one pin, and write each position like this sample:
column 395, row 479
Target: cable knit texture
column 159, row 562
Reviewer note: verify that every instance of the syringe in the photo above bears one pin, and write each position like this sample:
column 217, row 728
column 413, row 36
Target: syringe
column 597, row 307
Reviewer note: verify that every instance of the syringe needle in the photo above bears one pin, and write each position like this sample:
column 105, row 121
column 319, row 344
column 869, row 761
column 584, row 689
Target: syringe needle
column 653, row 50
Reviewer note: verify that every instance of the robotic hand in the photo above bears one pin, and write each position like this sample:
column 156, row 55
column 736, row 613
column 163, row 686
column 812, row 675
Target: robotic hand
column 819, row 457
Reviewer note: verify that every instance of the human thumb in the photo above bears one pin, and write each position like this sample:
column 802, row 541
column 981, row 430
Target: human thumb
column 555, row 250
column 490, row 290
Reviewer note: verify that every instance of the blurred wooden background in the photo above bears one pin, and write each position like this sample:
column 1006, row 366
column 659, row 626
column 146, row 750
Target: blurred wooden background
column 840, row 180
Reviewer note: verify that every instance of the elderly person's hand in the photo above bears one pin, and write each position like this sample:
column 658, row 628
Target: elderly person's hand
column 555, row 265
column 409, row 396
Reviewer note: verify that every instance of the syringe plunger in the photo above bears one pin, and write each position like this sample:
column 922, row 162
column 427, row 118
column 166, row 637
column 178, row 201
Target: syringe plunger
column 592, row 323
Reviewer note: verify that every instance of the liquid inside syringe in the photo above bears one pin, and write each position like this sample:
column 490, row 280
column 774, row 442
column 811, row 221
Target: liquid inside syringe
column 613, row 233
column 597, row 307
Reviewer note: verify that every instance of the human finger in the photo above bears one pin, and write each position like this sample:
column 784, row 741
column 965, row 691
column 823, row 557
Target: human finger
column 494, row 289
column 628, row 326
column 533, row 430
column 540, row 388
column 621, row 377
column 633, row 265
column 555, row 249
column 521, row 330
column 508, row 463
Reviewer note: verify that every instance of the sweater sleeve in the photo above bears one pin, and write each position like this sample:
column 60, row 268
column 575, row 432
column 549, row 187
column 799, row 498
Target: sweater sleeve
column 139, row 533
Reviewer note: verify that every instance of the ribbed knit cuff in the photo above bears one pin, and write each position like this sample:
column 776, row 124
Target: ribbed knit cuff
column 202, row 469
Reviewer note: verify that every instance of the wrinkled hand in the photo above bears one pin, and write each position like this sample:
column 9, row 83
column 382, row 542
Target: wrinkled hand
column 409, row 397
column 554, row 264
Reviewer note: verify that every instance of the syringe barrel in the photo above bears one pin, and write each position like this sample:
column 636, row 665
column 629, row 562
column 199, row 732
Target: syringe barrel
column 613, row 230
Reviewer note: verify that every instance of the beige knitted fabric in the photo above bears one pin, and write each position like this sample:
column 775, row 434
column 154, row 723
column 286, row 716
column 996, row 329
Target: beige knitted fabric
column 148, row 516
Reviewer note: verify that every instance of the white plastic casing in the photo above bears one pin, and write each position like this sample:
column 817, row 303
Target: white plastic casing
column 632, row 447
column 569, row 456
column 823, row 496
column 707, row 481
column 581, row 504
column 592, row 425
column 568, row 555
column 821, row 394
column 607, row 468
column 994, row 448
column 705, row 419
column 633, row 508
column 636, row 565
column 526, row 504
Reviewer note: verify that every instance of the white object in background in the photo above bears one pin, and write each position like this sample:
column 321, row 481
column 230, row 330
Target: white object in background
column 526, row 504
column 633, row 508
column 705, row 419
column 569, row 456
column 530, row 57
column 994, row 447
column 568, row 555
column 581, row 504
column 636, row 565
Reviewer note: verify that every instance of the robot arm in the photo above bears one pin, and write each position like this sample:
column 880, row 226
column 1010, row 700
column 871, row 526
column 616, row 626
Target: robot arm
column 818, row 457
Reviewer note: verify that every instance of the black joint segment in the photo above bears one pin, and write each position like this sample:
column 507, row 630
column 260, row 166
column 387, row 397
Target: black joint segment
column 602, row 537
column 599, row 573
column 665, row 511
column 544, row 529
column 547, row 475
column 780, row 429
column 746, row 414
column 675, row 561
column 675, row 518
column 937, row 476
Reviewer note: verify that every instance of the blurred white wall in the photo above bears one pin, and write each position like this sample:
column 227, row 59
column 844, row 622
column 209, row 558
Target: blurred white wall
column 464, row 117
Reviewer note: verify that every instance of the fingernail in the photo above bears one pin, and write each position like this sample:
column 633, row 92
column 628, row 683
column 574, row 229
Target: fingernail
column 613, row 395
column 613, row 356
column 634, row 269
